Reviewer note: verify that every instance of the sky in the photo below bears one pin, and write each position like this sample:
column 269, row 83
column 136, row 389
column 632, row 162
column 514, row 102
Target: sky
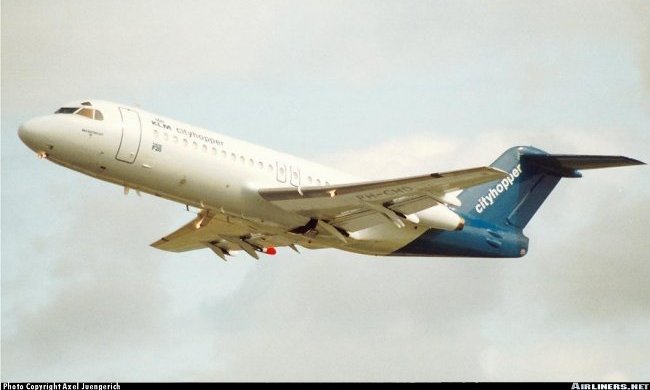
column 377, row 88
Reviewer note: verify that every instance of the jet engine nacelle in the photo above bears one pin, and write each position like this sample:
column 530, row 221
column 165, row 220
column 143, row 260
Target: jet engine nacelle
column 440, row 217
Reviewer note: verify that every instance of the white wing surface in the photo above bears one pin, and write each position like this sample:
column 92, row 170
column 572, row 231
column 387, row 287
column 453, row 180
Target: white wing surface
column 334, row 212
column 356, row 206
column 223, row 235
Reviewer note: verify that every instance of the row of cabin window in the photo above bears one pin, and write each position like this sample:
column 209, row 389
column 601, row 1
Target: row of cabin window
column 242, row 159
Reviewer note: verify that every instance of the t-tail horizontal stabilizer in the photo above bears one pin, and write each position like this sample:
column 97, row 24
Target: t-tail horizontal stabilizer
column 568, row 165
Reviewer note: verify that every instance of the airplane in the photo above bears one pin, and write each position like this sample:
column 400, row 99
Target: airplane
column 253, row 199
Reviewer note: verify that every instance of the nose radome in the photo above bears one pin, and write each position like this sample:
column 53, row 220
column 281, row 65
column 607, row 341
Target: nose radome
column 23, row 133
column 33, row 134
column 26, row 133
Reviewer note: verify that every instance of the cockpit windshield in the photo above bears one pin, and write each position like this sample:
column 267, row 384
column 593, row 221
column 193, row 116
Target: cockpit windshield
column 87, row 112
column 83, row 111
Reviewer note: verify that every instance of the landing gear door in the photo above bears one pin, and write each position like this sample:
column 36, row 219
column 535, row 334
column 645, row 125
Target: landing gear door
column 131, row 136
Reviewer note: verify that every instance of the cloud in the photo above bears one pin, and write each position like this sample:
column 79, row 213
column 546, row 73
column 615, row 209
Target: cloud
column 436, row 151
column 642, row 12
column 102, row 293
column 335, row 316
column 134, row 47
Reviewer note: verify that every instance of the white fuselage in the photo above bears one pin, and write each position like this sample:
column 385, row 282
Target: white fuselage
column 171, row 159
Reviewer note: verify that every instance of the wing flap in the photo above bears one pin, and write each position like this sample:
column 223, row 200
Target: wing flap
column 358, row 219
column 414, row 204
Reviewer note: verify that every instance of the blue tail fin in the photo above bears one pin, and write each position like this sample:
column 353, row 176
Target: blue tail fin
column 532, row 175
column 497, row 212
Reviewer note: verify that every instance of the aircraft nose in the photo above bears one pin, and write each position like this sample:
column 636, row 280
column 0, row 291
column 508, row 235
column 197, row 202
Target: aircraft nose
column 33, row 134
column 24, row 132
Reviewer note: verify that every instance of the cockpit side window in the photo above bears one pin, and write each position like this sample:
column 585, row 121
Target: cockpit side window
column 66, row 110
column 98, row 115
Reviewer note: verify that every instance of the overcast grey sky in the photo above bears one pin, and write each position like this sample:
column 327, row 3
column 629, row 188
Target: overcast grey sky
column 379, row 88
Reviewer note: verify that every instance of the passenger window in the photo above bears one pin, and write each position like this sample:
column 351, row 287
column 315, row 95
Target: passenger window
column 251, row 162
column 98, row 115
column 87, row 112
column 242, row 160
column 260, row 165
column 270, row 167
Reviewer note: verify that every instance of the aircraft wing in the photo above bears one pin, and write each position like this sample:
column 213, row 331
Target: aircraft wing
column 223, row 235
column 357, row 206
column 351, row 207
